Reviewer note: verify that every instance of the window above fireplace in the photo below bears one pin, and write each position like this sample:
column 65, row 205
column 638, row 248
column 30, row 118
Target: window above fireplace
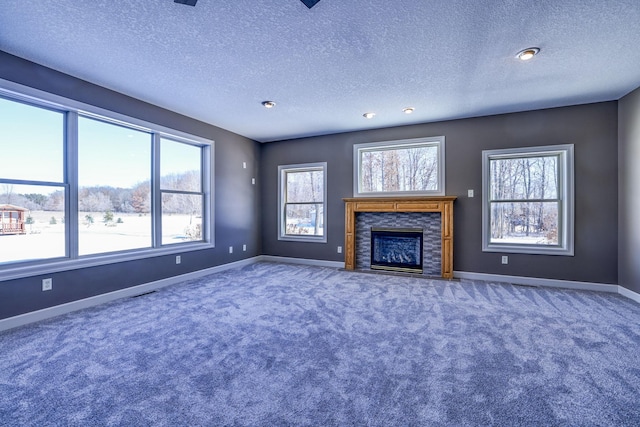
column 409, row 167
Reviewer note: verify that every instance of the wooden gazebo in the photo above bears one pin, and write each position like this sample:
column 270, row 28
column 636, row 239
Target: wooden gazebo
column 12, row 219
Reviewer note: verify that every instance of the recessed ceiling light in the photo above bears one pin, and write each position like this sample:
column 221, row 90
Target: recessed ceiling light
column 368, row 115
column 408, row 110
column 528, row 53
column 269, row 104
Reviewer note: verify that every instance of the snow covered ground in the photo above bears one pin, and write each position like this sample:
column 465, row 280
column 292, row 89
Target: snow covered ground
column 46, row 240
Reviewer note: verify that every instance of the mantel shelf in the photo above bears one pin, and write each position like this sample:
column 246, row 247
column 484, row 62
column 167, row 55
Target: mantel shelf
column 441, row 204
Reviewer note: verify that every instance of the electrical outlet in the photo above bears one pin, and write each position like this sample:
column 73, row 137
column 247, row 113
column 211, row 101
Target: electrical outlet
column 244, row 248
column 230, row 249
column 339, row 249
column 253, row 181
column 47, row 284
column 244, row 165
column 178, row 259
column 505, row 259
column 470, row 193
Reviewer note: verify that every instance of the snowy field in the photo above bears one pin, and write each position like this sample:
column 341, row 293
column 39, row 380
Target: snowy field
column 47, row 240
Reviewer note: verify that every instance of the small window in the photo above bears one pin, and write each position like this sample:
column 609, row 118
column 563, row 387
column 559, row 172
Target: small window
column 302, row 204
column 404, row 168
column 528, row 200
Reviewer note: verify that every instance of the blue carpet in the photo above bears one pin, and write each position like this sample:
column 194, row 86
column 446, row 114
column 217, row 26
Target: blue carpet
column 277, row 345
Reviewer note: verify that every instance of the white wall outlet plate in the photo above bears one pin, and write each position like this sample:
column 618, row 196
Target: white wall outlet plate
column 230, row 249
column 470, row 193
column 505, row 259
column 339, row 249
column 244, row 247
column 178, row 259
column 47, row 284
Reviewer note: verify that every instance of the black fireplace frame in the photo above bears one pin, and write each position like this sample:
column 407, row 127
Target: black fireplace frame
column 412, row 233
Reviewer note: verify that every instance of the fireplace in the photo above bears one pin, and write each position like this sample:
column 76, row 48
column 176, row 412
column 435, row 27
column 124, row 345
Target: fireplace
column 438, row 244
column 397, row 249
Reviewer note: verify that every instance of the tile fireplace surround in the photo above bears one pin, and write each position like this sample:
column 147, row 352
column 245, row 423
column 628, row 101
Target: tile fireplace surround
column 441, row 204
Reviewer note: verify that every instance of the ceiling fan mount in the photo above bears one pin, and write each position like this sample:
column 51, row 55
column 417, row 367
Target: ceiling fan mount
column 309, row 3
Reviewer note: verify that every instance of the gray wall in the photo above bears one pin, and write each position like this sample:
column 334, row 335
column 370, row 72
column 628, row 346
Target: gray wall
column 236, row 199
column 629, row 193
column 592, row 128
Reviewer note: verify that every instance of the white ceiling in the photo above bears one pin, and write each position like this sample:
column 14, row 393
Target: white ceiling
column 328, row 65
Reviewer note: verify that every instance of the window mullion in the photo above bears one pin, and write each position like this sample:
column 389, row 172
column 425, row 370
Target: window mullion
column 156, row 193
column 524, row 200
column 71, row 184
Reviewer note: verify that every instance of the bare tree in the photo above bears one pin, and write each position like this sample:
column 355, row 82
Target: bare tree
column 7, row 193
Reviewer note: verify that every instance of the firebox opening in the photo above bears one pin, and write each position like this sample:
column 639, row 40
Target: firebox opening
column 396, row 249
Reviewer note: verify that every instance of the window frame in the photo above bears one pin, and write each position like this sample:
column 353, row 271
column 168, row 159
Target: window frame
column 282, row 204
column 72, row 110
column 565, row 198
column 437, row 141
column 158, row 191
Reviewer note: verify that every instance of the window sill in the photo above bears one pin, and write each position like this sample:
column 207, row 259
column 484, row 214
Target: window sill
column 306, row 239
column 64, row 264
column 529, row 250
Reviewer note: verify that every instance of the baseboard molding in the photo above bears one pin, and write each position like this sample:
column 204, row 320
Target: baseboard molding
column 46, row 313
column 629, row 294
column 315, row 262
column 535, row 281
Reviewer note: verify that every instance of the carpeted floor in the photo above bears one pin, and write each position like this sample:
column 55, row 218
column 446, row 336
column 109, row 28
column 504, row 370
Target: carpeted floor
column 276, row 345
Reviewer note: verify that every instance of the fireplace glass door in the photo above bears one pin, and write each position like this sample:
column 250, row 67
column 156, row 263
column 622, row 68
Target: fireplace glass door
column 397, row 249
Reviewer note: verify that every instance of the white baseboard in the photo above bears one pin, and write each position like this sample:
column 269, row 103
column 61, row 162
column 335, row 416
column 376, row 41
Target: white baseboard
column 535, row 281
column 553, row 283
column 315, row 262
column 629, row 294
column 46, row 313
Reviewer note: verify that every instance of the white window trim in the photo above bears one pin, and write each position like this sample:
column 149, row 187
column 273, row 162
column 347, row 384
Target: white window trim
column 36, row 97
column 566, row 220
column 438, row 141
column 282, row 170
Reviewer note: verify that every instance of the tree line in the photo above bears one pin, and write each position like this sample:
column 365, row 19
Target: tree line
column 104, row 198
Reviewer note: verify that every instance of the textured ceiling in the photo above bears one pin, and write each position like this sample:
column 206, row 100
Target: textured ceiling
column 326, row 66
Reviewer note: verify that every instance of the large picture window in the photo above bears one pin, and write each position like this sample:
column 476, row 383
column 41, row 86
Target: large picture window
column 406, row 167
column 303, row 195
column 114, row 200
column 81, row 186
column 528, row 200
